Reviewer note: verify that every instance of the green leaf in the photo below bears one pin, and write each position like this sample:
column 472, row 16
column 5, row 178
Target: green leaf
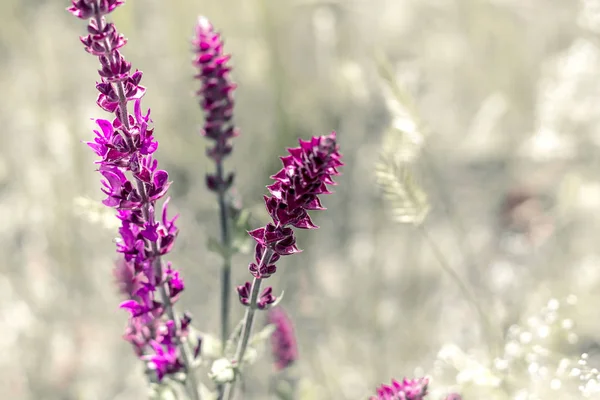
column 206, row 393
column 222, row 371
column 166, row 390
column 262, row 335
column 211, row 346
column 284, row 390
column 234, row 337
column 243, row 220
column 242, row 242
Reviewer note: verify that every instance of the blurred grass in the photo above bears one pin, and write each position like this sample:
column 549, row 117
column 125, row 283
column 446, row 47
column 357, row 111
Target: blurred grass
column 367, row 296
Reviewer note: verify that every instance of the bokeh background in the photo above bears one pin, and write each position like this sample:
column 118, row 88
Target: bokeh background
column 509, row 92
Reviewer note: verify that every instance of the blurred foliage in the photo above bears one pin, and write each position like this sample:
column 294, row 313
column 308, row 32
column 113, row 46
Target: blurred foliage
column 508, row 90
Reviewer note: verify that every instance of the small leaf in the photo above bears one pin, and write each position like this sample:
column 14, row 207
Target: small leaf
column 278, row 300
column 222, row 371
column 284, row 390
column 242, row 242
column 166, row 390
column 234, row 337
column 211, row 346
column 250, row 356
column 206, row 393
column 262, row 335
column 243, row 220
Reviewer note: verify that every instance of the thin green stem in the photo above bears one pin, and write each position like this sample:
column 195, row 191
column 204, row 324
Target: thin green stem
column 243, row 343
column 229, row 389
column 226, row 269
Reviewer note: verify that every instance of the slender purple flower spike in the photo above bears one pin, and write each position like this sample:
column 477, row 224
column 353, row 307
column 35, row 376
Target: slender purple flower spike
column 133, row 184
column 408, row 389
column 283, row 339
column 216, row 99
column 307, row 171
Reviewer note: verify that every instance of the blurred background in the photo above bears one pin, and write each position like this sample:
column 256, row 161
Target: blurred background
column 509, row 94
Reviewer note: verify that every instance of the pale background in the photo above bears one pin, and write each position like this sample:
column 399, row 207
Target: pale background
column 509, row 91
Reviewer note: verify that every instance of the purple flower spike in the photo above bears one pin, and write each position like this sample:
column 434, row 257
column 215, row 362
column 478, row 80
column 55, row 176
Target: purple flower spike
column 283, row 339
column 408, row 389
column 305, row 175
column 133, row 184
column 216, row 97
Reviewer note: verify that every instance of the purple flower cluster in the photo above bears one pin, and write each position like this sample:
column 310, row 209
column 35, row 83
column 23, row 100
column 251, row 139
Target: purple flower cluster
column 408, row 389
column 216, row 98
column 133, row 185
column 305, row 175
column 283, row 339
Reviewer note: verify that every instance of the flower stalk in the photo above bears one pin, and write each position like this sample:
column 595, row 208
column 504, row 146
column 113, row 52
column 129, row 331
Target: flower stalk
column 306, row 172
column 133, row 185
column 216, row 99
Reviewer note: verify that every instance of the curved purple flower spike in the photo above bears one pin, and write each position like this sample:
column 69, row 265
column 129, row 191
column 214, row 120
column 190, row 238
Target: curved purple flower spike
column 305, row 175
column 306, row 172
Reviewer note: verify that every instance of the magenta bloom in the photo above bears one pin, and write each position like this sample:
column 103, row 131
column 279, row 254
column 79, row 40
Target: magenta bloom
column 305, row 175
column 265, row 299
column 133, row 184
column 216, row 98
column 283, row 340
column 408, row 389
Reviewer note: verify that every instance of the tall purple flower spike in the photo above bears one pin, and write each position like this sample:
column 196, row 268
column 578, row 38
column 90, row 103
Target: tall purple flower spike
column 216, row 99
column 133, row 184
column 283, row 339
column 408, row 389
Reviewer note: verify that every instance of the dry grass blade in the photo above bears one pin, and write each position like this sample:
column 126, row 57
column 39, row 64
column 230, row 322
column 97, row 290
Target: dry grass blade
column 407, row 201
column 400, row 148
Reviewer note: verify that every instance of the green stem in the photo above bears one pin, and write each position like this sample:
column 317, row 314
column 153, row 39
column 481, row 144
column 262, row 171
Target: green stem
column 248, row 322
column 243, row 343
column 226, row 269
